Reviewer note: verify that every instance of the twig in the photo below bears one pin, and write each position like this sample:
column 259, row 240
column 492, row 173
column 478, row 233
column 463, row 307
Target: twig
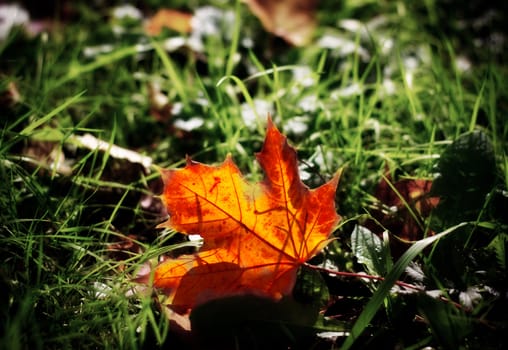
column 379, row 278
column 363, row 275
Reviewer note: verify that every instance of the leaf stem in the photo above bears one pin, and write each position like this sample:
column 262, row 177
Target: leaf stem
column 362, row 275
column 379, row 278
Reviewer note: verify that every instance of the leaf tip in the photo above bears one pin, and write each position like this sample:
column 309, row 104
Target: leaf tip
column 336, row 177
column 270, row 125
column 269, row 120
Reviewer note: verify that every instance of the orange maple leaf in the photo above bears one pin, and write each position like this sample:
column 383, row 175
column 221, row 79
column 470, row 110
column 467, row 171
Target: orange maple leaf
column 255, row 235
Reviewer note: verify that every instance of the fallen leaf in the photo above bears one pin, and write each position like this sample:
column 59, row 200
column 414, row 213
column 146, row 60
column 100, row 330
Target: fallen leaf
column 171, row 19
column 160, row 106
column 255, row 235
column 46, row 157
column 10, row 96
column 403, row 208
column 123, row 248
column 292, row 20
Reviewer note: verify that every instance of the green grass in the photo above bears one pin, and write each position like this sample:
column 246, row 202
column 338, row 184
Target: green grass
column 398, row 98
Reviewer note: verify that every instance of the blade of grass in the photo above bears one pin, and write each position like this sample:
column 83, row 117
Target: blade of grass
column 477, row 104
column 265, row 72
column 381, row 293
column 27, row 130
column 174, row 77
column 234, row 41
column 75, row 70
column 246, row 95
column 413, row 214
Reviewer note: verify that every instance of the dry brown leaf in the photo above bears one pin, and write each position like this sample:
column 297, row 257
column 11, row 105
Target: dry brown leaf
column 404, row 206
column 292, row 20
column 171, row 19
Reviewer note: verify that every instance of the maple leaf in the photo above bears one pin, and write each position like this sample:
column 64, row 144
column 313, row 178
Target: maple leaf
column 255, row 235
